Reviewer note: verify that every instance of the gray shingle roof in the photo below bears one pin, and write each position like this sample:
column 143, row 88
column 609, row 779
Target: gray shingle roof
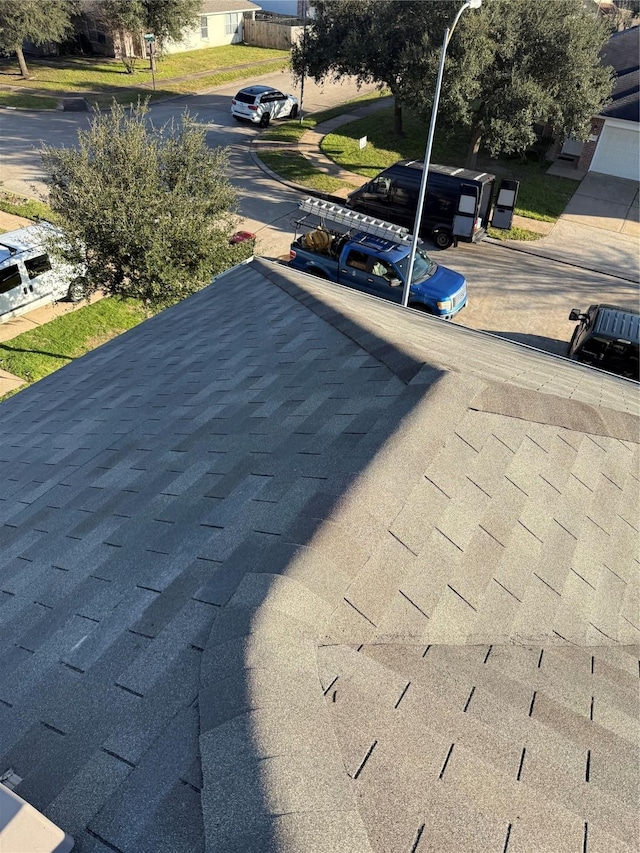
column 289, row 568
column 622, row 53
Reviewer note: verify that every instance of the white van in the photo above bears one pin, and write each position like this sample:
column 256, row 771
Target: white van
column 29, row 278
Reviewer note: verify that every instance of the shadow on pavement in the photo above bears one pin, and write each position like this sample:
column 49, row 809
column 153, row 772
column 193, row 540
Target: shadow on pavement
column 552, row 345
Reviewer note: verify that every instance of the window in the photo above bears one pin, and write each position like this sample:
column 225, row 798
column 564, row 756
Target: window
column 204, row 27
column 357, row 260
column 231, row 23
column 9, row 278
column 36, row 266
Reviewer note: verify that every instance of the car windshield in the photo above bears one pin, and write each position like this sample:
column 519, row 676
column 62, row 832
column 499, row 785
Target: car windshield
column 423, row 266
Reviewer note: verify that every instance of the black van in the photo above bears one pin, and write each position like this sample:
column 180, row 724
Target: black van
column 457, row 204
column 607, row 337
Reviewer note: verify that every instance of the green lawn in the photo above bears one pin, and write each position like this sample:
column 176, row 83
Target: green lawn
column 541, row 196
column 296, row 168
column 107, row 78
column 27, row 207
column 22, row 100
column 37, row 353
column 292, row 131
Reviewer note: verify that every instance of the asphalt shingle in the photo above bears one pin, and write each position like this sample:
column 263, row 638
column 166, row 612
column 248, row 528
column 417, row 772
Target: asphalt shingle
column 322, row 574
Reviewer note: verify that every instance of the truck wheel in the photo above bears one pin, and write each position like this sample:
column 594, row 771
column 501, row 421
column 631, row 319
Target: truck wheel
column 264, row 120
column 318, row 273
column 443, row 239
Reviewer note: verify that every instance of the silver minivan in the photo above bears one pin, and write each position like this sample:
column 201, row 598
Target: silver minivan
column 29, row 277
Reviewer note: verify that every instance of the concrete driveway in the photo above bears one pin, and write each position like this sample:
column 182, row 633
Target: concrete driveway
column 599, row 229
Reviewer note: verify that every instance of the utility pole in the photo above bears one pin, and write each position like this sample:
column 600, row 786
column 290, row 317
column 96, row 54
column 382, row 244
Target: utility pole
column 304, row 54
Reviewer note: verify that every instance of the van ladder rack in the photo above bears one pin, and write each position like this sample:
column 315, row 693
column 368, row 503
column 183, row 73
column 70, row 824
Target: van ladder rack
column 367, row 224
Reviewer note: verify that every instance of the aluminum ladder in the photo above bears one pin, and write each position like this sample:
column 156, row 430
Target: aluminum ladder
column 343, row 216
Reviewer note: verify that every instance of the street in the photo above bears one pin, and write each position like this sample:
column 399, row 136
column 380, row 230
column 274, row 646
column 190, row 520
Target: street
column 521, row 296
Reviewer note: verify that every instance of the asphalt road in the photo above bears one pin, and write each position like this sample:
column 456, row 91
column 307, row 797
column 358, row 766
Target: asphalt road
column 523, row 297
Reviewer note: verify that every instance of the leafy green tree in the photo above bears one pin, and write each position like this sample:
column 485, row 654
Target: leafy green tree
column 509, row 64
column 363, row 38
column 514, row 63
column 166, row 19
column 38, row 21
column 147, row 213
column 169, row 19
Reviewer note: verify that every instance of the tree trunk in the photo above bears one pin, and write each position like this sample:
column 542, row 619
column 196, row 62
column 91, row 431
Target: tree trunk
column 397, row 118
column 23, row 65
column 474, row 147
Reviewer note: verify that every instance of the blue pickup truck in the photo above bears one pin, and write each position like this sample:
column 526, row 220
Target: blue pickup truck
column 379, row 266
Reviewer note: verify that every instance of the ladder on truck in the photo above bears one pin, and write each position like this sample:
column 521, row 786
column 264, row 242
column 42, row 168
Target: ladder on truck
column 367, row 224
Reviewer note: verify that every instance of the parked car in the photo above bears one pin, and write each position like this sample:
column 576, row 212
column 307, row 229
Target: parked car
column 607, row 337
column 29, row 276
column 259, row 104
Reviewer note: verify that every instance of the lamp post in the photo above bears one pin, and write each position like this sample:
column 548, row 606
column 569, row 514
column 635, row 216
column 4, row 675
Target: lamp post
column 304, row 54
column 468, row 4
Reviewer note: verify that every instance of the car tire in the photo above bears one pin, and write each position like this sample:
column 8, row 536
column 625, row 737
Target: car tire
column 264, row 120
column 418, row 306
column 294, row 111
column 442, row 238
column 75, row 292
column 318, row 273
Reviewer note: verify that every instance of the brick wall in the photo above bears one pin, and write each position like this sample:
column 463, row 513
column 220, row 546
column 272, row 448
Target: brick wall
column 590, row 145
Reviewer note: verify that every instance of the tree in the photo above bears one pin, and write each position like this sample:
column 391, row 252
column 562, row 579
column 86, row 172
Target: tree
column 515, row 63
column 129, row 19
column 147, row 213
column 169, row 19
column 510, row 64
column 363, row 38
column 38, row 21
column 125, row 21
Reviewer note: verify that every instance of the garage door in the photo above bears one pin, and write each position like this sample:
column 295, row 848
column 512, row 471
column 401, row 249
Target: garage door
column 618, row 153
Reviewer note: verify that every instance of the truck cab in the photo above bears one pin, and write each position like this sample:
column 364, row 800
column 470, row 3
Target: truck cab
column 380, row 267
column 608, row 337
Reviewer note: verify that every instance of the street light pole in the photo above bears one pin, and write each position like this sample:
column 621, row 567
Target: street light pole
column 304, row 55
column 468, row 4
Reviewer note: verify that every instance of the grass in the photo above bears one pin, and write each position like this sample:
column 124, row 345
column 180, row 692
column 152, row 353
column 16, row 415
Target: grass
column 294, row 167
column 27, row 207
column 292, row 131
column 19, row 100
column 39, row 352
column 513, row 234
column 107, row 78
column 541, row 196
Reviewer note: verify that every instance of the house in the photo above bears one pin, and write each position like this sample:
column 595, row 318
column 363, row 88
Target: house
column 220, row 22
column 290, row 568
column 614, row 145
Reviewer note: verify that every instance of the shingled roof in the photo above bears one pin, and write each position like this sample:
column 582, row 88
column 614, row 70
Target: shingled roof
column 288, row 568
column 622, row 53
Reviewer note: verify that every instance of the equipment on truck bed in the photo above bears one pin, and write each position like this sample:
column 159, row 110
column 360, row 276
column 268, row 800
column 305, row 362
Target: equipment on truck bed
column 331, row 212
